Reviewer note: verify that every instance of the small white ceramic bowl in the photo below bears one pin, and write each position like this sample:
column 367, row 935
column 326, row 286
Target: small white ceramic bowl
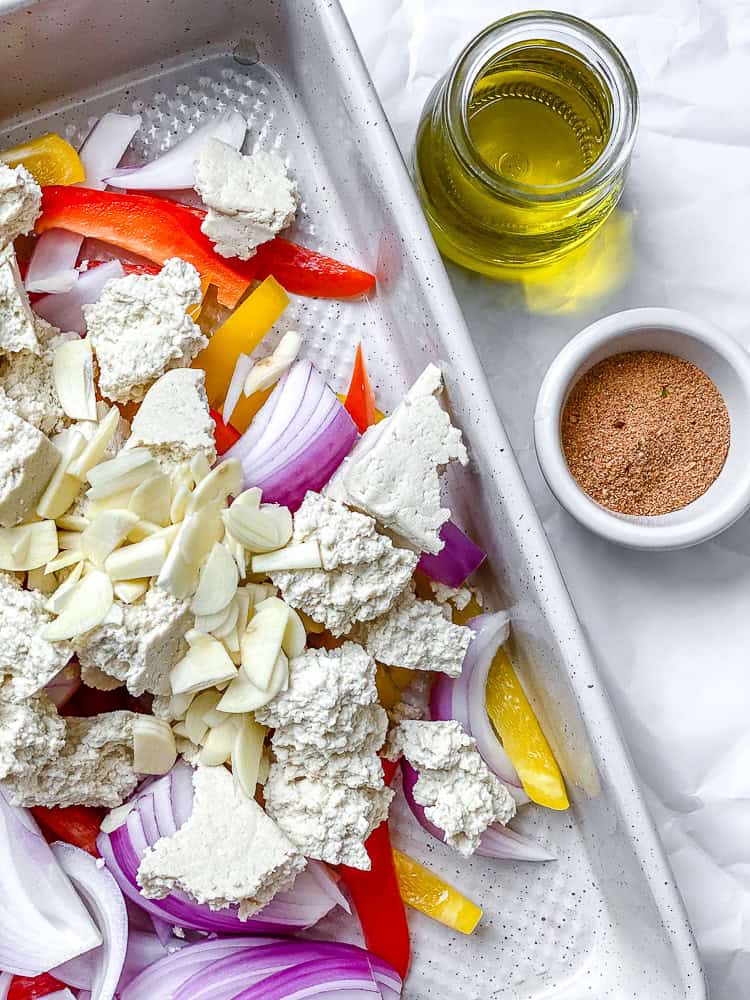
column 674, row 332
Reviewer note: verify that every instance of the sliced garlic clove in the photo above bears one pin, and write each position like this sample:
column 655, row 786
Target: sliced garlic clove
column 247, row 753
column 117, row 501
column 236, row 548
column 144, row 529
column 260, row 529
column 306, row 555
column 72, row 522
column 28, row 546
column 95, row 447
column 130, row 591
column 73, row 372
column 249, row 498
column 69, row 540
column 57, row 600
column 243, row 601
column 151, row 500
column 64, row 560
column 217, row 582
column 203, row 703
column 154, row 750
column 141, row 559
column 262, row 641
column 87, row 606
column 178, row 506
column 179, row 704
column 295, row 637
column 200, row 467
column 221, row 483
column 244, row 696
column 268, row 370
column 63, row 488
column 195, row 538
column 230, row 625
column 105, row 532
column 39, row 579
column 121, row 465
column 116, row 818
column 218, row 744
column 207, row 623
column 204, row 665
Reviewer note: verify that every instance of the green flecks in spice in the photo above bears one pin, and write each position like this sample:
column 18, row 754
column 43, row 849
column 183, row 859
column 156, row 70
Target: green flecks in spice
column 645, row 432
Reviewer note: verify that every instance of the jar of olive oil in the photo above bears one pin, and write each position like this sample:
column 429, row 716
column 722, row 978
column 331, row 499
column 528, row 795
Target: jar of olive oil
column 523, row 147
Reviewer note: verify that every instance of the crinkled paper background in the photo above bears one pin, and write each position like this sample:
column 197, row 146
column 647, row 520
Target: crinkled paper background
column 671, row 632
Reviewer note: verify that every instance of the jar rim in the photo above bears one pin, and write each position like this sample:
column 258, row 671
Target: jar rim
column 592, row 46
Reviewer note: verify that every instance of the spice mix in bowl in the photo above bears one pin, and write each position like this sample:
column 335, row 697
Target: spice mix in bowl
column 642, row 426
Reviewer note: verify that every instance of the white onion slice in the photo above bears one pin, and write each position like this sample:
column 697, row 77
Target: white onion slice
column 174, row 170
column 42, row 920
column 241, row 369
column 65, row 311
column 52, row 267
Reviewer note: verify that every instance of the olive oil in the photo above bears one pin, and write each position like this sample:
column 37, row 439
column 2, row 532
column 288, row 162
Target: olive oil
column 522, row 150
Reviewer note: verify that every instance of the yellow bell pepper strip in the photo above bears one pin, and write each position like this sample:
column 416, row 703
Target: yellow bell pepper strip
column 472, row 609
column 401, row 677
column 240, row 334
column 248, row 406
column 49, row 159
column 522, row 736
column 388, row 694
column 424, row 891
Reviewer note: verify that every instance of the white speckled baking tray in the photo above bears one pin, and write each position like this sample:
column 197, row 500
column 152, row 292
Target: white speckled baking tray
column 603, row 921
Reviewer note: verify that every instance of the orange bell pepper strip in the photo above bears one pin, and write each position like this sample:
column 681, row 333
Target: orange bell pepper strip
column 224, row 434
column 78, row 825
column 360, row 399
column 151, row 227
column 306, row 272
column 48, row 158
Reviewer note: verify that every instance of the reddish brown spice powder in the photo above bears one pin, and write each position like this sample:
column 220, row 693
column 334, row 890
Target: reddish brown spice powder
column 645, row 432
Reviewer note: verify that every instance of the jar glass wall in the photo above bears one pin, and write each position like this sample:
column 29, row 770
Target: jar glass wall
column 522, row 148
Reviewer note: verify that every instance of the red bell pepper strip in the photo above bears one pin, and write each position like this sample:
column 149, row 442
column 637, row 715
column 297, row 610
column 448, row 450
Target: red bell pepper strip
column 78, row 825
column 360, row 400
column 378, row 902
column 158, row 229
column 224, row 434
column 377, row 897
column 128, row 268
column 151, row 227
column 29, row 988
column 306, row 272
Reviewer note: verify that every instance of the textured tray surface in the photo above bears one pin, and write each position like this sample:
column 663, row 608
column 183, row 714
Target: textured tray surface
column 589, row 924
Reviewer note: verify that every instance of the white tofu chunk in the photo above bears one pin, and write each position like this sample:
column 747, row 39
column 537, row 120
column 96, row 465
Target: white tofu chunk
column 139, row 328
column 17, row 327
column 250, row 198
column 28, row 660
column 27, row 379
column 174, row 417
column 229, row 852
column 20, row 203
column 459, row 793
column 32, row 735
column 27, row 461
column 94, row 766
column 363, row 572
column 393, row 472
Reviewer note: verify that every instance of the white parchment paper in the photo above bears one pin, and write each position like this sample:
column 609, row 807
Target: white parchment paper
column 671, row 632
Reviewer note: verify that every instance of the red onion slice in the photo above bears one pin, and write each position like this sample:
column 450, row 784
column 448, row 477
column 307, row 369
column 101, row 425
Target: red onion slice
column 42, row 920
column 298, row 439
column 64, row 685
column 497, row 841
column 98, row 970
column 52, row 267
column 343, row 979
column 175, row 168
column 65, row 311
column 463, row 698
column 456, row 561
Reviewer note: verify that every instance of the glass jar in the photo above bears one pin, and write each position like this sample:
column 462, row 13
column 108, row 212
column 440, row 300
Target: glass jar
column 523, row 147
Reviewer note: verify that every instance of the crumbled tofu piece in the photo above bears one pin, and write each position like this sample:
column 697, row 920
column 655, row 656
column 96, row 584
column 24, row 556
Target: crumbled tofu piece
column 139, row 328
column 27, row 380
column 326, row 687
column 250, row 198
column 326, row 820
column 459, row 793
column 393, row 471
column 32, row 734
column 25, row 657
column 142, row 644
column 17, row 327
column 459, row 597
column 415, row 700
column 94, row 767
column 174, row 417
column 20, row 203
column 363, row 572
column 355, row 769
column 27, row 461
column 358, row 729
column 229, row 852
column 417, row 635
